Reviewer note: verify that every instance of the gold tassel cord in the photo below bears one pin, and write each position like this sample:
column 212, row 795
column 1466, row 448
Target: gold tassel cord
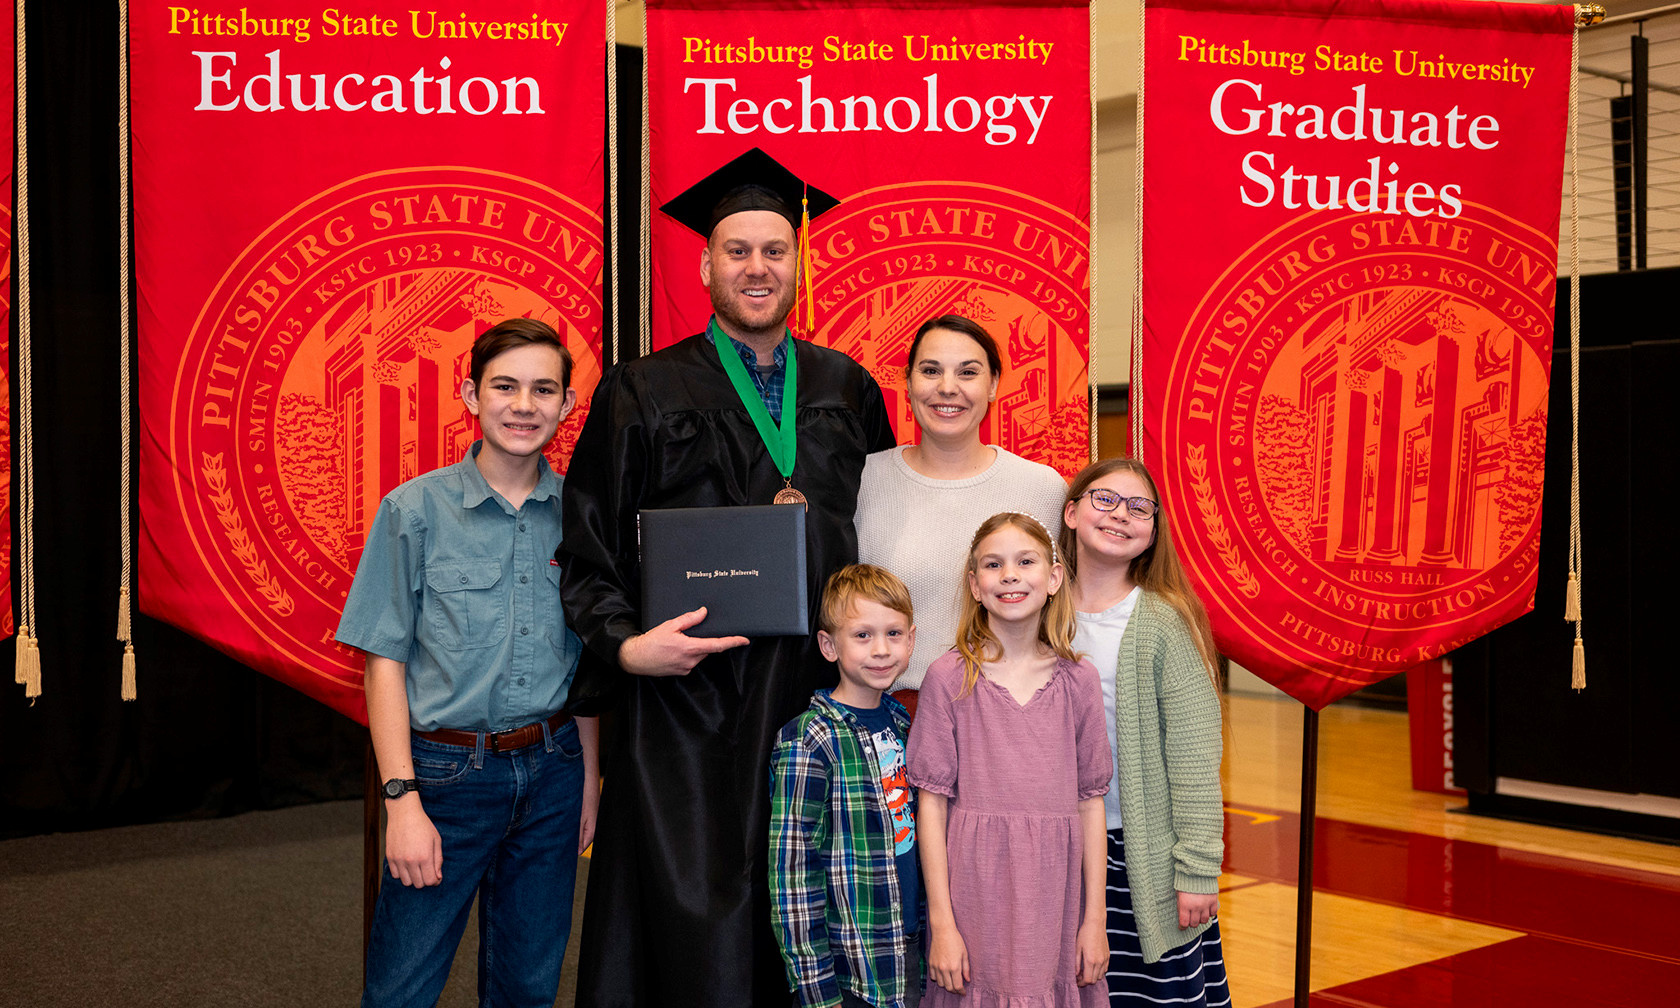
column 32, row 668
column 130, row 686
column 809, row 314
column 125, row 622
column 29, row 653
column 21, row 673
column 1572, row 593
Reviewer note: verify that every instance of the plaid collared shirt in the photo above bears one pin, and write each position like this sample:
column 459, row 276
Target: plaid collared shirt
column 834, row 891
column 769, row 383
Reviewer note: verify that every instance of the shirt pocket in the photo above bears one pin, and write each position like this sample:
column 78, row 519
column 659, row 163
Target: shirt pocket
column 468, row 608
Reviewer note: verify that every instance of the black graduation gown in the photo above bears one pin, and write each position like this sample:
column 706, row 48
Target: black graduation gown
column 678, row 906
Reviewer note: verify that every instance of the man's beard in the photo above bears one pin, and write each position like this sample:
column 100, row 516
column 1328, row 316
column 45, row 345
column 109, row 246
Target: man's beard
column 724, row 306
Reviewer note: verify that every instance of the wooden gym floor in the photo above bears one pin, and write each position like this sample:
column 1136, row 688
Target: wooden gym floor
column 1417, row 904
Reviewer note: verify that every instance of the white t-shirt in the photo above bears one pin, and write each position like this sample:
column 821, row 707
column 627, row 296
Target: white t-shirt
column 1098, row 639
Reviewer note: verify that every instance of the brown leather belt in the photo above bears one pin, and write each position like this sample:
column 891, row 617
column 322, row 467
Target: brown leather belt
column 506, row 741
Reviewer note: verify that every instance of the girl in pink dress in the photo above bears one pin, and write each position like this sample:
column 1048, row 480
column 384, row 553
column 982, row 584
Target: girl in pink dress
column 1010, row 754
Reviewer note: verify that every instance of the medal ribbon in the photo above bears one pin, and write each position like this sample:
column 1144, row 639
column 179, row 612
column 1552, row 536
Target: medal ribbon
column 779, row 442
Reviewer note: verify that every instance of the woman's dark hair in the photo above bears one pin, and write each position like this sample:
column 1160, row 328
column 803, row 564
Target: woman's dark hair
column 958, row 324
column 515, row 333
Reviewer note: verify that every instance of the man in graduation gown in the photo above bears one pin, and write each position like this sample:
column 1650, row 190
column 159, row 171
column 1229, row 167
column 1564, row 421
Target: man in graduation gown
column 678, row 910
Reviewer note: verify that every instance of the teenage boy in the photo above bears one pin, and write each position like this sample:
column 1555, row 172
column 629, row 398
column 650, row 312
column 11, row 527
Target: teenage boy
column 489, row 788
column 845, row 888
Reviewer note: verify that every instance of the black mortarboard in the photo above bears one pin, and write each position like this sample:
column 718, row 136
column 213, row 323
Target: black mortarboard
column 753, row 181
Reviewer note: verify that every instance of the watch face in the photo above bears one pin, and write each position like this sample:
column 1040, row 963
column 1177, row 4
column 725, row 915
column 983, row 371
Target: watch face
column 394, row 788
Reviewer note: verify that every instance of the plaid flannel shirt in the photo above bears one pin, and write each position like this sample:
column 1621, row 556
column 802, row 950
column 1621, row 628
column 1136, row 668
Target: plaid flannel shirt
column 834, row 891
column 769, row 383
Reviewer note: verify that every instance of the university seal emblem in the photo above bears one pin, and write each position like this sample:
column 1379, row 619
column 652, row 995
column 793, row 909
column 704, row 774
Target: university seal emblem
column 1361, row 405
column 325, row 370
column 889, row 259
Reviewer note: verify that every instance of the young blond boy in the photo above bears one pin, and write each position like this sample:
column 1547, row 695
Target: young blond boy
column 845, row 887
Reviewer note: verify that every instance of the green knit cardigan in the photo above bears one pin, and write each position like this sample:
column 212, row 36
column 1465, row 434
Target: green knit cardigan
column 1168, row 745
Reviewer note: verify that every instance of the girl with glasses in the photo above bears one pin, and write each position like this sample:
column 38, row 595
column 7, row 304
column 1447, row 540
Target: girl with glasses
column 1141, row 624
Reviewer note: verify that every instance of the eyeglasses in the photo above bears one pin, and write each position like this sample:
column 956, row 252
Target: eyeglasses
column 1141, row 508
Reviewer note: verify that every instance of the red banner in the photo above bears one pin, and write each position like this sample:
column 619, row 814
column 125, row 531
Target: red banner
column 1349, row 246
column 958, row 137
column 330, row 203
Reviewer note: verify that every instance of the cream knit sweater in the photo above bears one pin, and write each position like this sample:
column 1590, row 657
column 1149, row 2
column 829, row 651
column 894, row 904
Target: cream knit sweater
column 919, row 528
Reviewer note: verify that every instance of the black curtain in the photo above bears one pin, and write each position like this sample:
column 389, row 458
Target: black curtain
column 207, row 736
column 1516, row 717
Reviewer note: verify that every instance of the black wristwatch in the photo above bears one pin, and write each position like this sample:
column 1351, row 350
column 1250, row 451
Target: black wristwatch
column 396, row 787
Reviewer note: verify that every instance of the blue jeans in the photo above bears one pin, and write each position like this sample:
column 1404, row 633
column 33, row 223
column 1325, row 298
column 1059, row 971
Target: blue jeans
column 509, row 825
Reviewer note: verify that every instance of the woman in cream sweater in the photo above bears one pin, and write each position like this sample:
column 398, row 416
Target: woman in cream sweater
column 919, row 504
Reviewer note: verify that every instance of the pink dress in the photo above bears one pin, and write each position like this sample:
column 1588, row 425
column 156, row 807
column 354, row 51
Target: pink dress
column 1015, row 776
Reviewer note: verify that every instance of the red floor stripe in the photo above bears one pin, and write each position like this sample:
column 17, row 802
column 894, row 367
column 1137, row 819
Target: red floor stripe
column 1530, row 971
column 1558, row 897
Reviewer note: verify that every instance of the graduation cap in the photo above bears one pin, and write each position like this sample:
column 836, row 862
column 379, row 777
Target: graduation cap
column 753, row 181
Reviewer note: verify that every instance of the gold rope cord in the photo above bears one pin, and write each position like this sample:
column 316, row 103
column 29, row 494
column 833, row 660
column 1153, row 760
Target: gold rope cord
column 125, row 622
column 28, row 650
column 1572, row 593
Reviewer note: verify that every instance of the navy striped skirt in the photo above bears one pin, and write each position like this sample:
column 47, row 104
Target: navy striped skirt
column 1192, row 974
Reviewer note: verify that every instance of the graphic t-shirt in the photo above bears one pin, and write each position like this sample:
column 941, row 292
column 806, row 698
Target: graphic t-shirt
column 889, row 749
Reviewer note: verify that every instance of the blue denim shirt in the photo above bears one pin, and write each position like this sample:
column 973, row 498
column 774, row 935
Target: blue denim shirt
column 463, row 588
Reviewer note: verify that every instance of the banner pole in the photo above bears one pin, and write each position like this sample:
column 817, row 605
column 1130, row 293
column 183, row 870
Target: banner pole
column 644, row 285
column 1134, row 363
column 1304, row 871
column 610, row 313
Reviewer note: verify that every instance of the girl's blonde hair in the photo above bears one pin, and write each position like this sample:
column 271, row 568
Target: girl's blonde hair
column 1157, row 569
column 975, row 640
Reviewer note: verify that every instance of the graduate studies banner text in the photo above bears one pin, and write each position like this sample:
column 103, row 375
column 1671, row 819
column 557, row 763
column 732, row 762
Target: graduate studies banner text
column 957, row 137
column 330, row 203
column 1350, row 247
